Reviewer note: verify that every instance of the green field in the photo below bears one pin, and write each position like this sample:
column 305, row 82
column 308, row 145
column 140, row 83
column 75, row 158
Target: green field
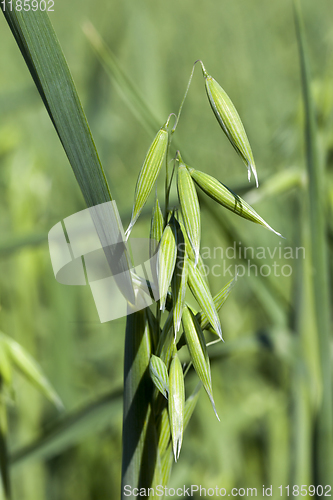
column 272, row 375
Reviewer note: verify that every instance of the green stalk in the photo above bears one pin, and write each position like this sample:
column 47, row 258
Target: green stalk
column 140, row 453
column 323, row 426
column 305, row 368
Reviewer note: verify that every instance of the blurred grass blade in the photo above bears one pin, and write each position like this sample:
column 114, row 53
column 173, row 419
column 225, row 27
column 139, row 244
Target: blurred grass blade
column 225, row 197
column 71, row 429
column 320, row 265
column 276, row 292
column 190, row 404
column 159, row 375
column 13, row 243
column 189, row 204
column 40, row 48
column 219, row 300
column 176, row 405
column 124, row 85
column 32, row 371
column 279, row 183
column 203, row 296
column 196, row 344
column 5, row 364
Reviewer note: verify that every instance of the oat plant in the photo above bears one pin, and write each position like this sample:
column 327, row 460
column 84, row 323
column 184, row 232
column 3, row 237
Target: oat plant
column 154, row 376
column 156, row 403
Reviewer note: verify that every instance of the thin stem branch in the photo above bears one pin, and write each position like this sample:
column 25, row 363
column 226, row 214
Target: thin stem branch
column 185, row 95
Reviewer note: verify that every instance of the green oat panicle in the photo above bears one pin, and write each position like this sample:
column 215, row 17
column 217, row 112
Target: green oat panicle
column 179, row 284
column 166, row 346
column 203, row 296
column 225, row 197
column 179, row 279
column 190, row 254
column 230, row 121
column 156, row 228
column 196, row 344
column 176, row 404
column 155, row 236
column 148, row 173
column 159, row 375
column 190, row 208
column 166, row 263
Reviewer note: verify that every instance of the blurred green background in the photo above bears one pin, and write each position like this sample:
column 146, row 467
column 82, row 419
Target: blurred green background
column 266, row 377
